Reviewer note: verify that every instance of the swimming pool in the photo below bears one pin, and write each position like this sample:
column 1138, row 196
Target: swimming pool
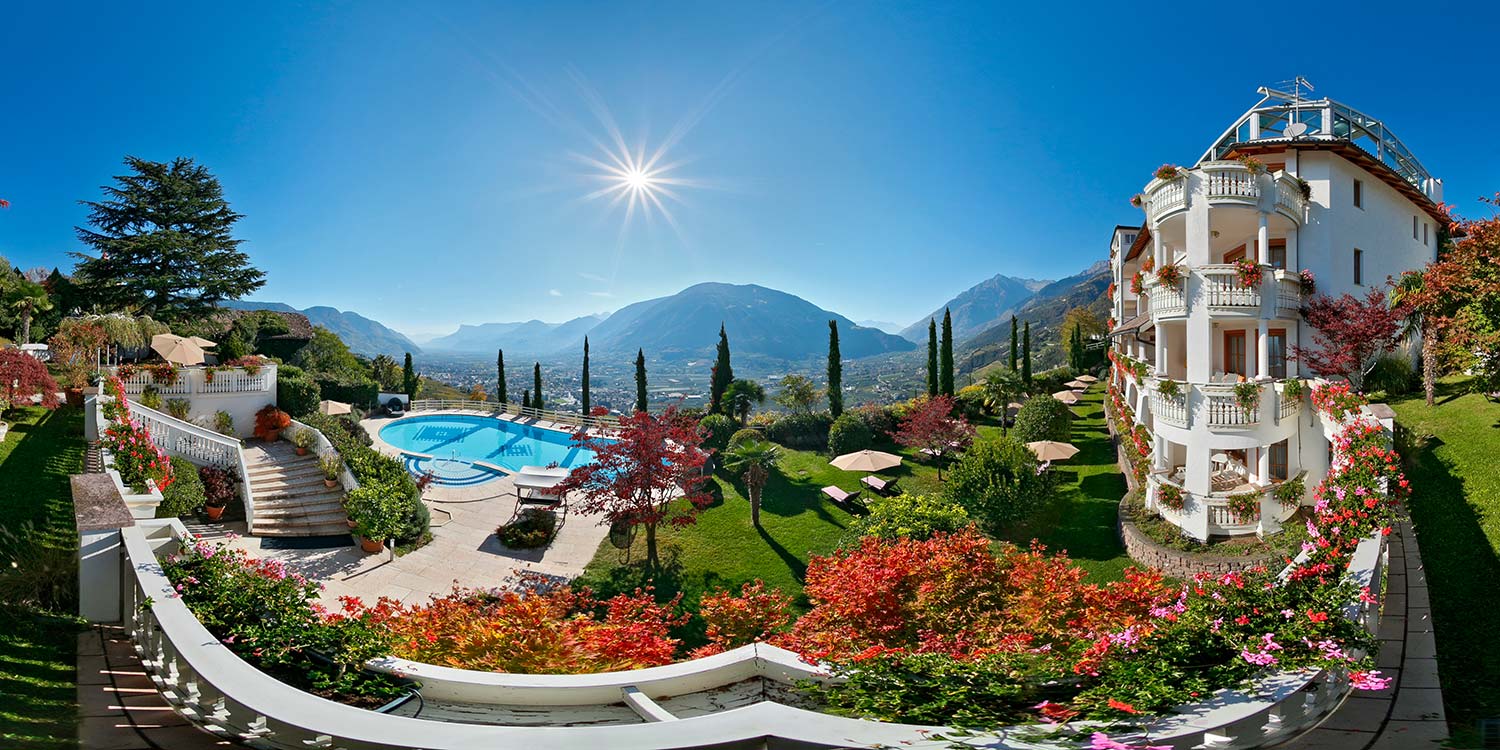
column 456, row 441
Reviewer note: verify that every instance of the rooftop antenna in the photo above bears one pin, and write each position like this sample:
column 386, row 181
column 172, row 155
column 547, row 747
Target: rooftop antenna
column 1296, row 127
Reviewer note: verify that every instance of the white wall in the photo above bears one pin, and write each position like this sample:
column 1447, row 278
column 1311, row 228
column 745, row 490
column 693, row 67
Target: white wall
column 1381, row 228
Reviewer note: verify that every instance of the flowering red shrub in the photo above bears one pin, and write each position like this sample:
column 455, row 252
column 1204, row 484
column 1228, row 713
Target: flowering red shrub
column 1250, row 273
column 732, row 621
column 545, row 630
column 1336, row 400
column 136, row 457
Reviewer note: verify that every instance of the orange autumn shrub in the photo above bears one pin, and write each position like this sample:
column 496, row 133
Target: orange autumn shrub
column 731, row 621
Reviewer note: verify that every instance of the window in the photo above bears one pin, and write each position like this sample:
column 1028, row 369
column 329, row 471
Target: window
column 1359, row 258
column 1276, row 352
column 1234, row 352
column 1278, row 461
column 1414, row 227
column 1128, row 240
column 1359, row 198
column 1278, row 254
column 1424, row 232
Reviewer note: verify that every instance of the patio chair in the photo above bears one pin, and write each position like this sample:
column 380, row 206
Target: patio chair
column 878, row 485
column 841, row 498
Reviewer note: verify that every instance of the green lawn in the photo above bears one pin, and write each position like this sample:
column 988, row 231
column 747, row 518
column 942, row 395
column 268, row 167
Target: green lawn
column 37, row 692
column 1451, row 451
column 723, row 549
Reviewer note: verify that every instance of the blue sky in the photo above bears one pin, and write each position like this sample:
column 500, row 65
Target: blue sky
column 418, row 164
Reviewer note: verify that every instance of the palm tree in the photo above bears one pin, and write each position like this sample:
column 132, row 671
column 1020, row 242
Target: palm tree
column 756, row 459
column 1410, row 291
column 27, row 298
column 1002, row 386
column 741, row 396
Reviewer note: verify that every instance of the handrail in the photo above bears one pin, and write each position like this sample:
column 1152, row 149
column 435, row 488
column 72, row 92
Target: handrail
column 234, row 699
column 182, row 438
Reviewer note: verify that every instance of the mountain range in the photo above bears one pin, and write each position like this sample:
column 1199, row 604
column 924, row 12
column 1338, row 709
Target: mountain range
column 980, row 306
column 1044, row 310
column 362, row 335
column 530, row 337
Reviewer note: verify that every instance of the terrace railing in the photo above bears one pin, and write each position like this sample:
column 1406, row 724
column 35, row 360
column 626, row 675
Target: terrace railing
column 1288, row 293
column 1166, row 196
column 210, row 381
column 606, row 422
column 1166, row 299
column 1172, row 410
column 1224, row 410
column 1222, row 289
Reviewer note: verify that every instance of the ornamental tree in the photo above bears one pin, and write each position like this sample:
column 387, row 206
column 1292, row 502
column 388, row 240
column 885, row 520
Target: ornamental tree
column 1350, row 334
column 640, row 472
column 931, row 428
column 1462, row 297
column 23, row 377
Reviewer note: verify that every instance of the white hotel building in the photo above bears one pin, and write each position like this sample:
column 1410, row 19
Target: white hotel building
column 1336, row 194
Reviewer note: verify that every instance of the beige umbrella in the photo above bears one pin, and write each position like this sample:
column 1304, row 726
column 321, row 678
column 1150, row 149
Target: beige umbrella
column 1088, row 378
column 202, row 343
column 1051, row 450
column 866, row 460
column 1076, row 385
column 1067, row 397
column 177, row 349
column 334, row 407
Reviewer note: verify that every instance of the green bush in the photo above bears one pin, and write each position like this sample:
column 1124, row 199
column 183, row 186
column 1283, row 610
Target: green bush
column 362, row 392
column 185, row 494
column 807, row 431
column 909, row 516
column 1393, row 374
column 744, row 435
column 297, row 394
column 1044, row 418
column 374, row 469
column 534, row 528
column 969, row 402
column 376, row 512
column 880, row 419
column 1050, row 381
column 717, row 429
column 999, row 483
column 848, row 434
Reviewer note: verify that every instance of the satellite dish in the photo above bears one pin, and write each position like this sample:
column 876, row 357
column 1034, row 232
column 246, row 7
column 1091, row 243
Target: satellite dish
column 1295, row 130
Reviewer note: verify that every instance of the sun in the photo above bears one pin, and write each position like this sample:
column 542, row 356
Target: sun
column 639, row 180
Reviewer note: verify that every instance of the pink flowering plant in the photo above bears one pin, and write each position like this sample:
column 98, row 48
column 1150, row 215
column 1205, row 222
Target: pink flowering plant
column 269, row 616
column 1250, row 273
column 1336, row 400
column 136, row 457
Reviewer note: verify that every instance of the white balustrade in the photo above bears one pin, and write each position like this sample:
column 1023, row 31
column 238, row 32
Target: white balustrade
column 1171, row 410
column 235, row 381
column 1165, row 197
column 1166, row 299
column 201, row 381
column 1288, row 294
column 1289, row 198
column 141, row 380
column 1222, row 408
column 1222, row 288
column 1231, row 180
column 1286, row 408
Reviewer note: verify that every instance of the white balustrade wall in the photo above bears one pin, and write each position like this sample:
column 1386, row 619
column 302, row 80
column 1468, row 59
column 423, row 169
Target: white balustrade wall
column 208, row 391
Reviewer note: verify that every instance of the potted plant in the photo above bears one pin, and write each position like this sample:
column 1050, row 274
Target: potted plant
column 179, row 407
column 1168, row 388
column 224, row 423
column 1167, row 172
column 376, row 516
column 1136, row 284
column 1169, row 274
column 1256, row 166
column 1245, row 506
column 218, row 490
column 1250, row 272
column 332, row 466
column 1291, row 389
column 1247, row 395
column 269, row 422
column 1137, row 201
column 1290, row 492
column 1149, row 264
column 1170, row 496
column 1305, row 187
column 304, row 439
column 1309, row 282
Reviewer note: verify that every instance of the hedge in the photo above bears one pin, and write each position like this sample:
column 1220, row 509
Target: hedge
column 297, row 394
column 184, row 495
column 848, row 434
column 374, row 469
column 802, row 431
column 358, row 392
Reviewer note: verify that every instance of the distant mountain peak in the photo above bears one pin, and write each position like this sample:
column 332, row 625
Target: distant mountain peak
column 362, row 335
column 980, row 306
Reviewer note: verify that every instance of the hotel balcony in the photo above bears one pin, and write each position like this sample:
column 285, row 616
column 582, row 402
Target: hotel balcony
column 1224, row 295
column 1226, row 183
column 1215, row 407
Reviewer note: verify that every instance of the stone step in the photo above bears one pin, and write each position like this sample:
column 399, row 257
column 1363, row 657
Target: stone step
column 299, row 499
column 291, row 483
column 325, row 514
column 261, row 467
column 262, row 528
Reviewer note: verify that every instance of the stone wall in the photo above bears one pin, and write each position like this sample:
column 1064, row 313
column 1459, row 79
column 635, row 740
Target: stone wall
column 1180, row 564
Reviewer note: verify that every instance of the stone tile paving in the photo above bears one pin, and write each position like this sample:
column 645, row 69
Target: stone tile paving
column 119, row 707
column 1408, row 714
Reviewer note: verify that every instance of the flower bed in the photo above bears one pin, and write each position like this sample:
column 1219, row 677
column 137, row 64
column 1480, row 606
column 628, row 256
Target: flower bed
column 1336, row 400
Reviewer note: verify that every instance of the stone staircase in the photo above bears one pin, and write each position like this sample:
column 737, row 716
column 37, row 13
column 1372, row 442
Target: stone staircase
column 290, row 497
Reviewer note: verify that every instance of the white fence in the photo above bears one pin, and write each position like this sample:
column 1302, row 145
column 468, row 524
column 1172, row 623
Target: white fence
column 200, row 380
column 605, row 422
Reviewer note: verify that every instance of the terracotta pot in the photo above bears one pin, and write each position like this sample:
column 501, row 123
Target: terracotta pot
column 301, row 451
column 272, row 435
column 330, row 483
column 371, row 546
column 74, row 397
column 215, row 512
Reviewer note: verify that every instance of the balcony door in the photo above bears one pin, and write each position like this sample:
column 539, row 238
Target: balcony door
column 1234, row 353
column 1276, row 350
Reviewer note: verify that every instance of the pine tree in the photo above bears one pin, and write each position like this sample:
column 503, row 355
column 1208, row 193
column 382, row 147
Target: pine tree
column 835, row 372
column 526, row 399
column 408, row 378
column 945, row 385
column 500, row 377
column 1075, row 349
column 640, row 381
column 1014, row 343
column 722, row 376
column 164, row 244
column 536, row 385
column 932, row 358
column 586, row 376
column 1026, row 354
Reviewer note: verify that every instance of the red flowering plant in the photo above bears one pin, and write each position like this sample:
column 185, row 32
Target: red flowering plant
column 539, row 629
column 755, row 614
column 1169, row 274
column 1137, row 284
column 1309, row 282
column 1138, row 200
column 1244, row 506
column 1167, row 172
column 118, row 405
column 162, row 373
column 1149, row 264
column 136, row 457
column 1336, row 400
column 1250, row 273
column 1171, row 496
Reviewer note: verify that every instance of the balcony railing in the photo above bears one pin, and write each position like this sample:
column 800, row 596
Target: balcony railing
column 1231, row 180
column 1223, row 289
column 1223, row 408
column 1286, row 408
column 1289, row 198
column 1170, row 410
column 1166, row 299
column 1222, row 520
column 1165, row 196
column 201, row 381
column 1288, row 293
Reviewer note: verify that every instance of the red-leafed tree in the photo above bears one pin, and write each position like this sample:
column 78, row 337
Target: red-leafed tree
column 23, row 376
column 1461, row 297
column 1350, row 334
column 931, row 428
column 640, row 471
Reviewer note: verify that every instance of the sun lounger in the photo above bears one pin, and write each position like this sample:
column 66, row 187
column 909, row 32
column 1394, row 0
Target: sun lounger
column 880, row 486
column 544, row 471
column 839, row 497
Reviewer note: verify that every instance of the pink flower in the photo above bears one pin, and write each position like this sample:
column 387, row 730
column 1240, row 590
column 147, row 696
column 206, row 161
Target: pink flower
column 1101, row 741
column 1371, row 680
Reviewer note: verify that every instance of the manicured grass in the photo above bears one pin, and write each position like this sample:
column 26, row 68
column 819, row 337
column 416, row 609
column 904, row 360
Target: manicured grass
column 1452, row 452
column 723, row 549
column 37, row 691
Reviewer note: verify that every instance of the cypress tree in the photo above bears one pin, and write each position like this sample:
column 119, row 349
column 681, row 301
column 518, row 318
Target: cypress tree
column 946, row 355
column 1014, row 343
column 932, row 371
column 640, row 381
column 409, row 378
column 835, row 372
column 536, row 385
column 526, row 399
column 585, row 376
column 723, row 375
column 500, row 377
column 1026, row 354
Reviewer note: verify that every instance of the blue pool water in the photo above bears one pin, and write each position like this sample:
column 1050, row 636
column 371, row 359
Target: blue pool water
column 455, row 441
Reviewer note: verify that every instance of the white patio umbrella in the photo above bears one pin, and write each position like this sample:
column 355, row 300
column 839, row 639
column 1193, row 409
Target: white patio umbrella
column 1067, row 397
column 334, row 407
column 1051, row 450
column 177, row 349
column 866, row 460
column 1088, row 378
column 202, row 343
column 1076, row 385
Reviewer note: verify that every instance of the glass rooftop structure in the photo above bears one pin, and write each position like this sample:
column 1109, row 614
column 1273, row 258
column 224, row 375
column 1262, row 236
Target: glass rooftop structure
column 1283, row 117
